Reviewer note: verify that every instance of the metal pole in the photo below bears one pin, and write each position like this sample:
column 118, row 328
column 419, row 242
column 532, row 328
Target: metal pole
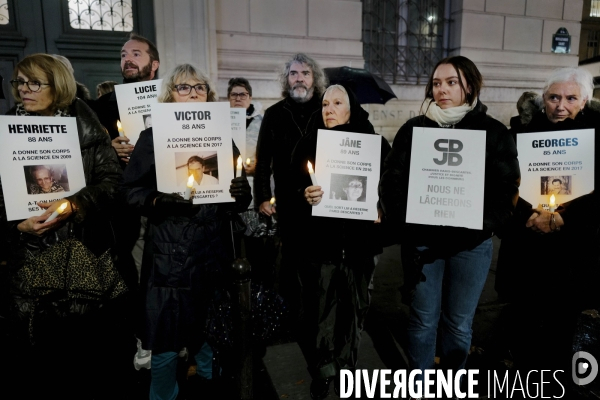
column 242, row 327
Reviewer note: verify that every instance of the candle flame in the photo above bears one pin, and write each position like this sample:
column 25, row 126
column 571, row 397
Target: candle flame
column 239, row 162
column 190, row 181
column 119, row 126
column 248, row 161
column 310, row 168
column 62, row 208
column 272, row 201
column 552, row 200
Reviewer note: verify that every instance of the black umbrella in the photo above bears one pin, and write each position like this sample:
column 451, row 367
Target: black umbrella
column 367, row 87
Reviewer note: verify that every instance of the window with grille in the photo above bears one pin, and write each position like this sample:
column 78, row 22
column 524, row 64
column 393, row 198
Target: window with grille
column 101, row 15
column 595, row 9
column 592, row 44
column 403, row 39
column 4, row 15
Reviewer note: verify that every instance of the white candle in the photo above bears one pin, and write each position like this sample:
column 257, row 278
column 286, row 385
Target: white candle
column 238, row 170
column 248, row 161
column 189, row 185
column 272, row 201
column 552, row 204
column 120, row 129
column 57, row 212
column 312, row 174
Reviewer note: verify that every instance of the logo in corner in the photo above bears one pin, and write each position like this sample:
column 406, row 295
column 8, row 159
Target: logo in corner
column 584, row 368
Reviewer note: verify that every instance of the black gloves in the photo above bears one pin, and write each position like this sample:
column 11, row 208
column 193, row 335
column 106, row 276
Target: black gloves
column 240, row 187
column 171, row 204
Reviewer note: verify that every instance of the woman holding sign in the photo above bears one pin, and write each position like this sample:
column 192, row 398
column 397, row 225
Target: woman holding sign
column 338, row 254
column 43, row 86
column 448, row 265
column 558, row 279
column 187, row 247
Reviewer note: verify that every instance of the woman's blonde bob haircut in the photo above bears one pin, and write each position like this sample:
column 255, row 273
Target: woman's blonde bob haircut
column 48, row 69
column 179, row 75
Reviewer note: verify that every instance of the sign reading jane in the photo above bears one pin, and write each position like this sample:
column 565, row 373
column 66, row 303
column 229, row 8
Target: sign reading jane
column 447, row 177
column 347, row 169
column 556, row 163
column 192, row 143
column 40, row 161
column 135, row 102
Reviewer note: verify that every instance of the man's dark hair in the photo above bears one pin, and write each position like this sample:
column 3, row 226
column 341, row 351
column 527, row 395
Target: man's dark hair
column 473, row 78
column 556, row 180
column 152, row 50
column 197, row 159
column 243, row 82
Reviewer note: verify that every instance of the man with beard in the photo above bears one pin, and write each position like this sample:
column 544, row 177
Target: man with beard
column 139, row 62
column 284, row 123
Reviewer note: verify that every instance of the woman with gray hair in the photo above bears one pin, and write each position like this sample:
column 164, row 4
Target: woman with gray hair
column 551, row 285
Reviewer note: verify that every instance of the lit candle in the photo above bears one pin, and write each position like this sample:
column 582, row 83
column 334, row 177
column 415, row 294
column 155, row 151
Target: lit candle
column 120, row 129
column 189, row 185
column 552, row 204
column 272, row 201
column 57, row 212
column 238, row 171
column 248, row 161
column 312, row 174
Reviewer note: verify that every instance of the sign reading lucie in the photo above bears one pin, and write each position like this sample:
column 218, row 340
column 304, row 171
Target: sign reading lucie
column 447, row 177
column 347, row 169
column 192, row 146
column 135, row 102
column 40, row 161
column 557, row 163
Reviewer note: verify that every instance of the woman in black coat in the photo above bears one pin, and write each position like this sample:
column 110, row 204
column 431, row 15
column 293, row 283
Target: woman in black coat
column 187, row 247
column 454, row 261
column 337, row 254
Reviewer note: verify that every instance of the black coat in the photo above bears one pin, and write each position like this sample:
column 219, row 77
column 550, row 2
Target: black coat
column 501, row 190
column 330, row 238
column 283, row 125
column 184, row 257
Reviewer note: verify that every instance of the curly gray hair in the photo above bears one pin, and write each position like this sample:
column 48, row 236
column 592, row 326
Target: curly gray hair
column 319, row 78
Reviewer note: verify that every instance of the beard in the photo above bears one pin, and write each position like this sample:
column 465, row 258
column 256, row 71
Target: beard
column 300, row 93
column 139, row 75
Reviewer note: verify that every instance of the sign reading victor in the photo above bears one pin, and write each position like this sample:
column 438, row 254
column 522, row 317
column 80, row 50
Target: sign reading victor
column 347, row 169
column 40, row 161
column 135, row 102
column 447, row 177
column 238, row 130
column 192, row 146
column 556, row 163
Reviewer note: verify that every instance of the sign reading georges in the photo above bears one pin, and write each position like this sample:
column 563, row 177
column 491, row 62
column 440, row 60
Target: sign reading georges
column 193, row 146
column 347, row 169
column 447, row 177
column 556, row 163
column 135, row 102
column 40, row 161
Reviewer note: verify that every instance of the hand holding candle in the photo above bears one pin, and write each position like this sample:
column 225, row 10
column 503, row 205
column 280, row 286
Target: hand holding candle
column 552, row 205
column 311, row 172
column 189, row 186
column 121, row 132
column 58, row 211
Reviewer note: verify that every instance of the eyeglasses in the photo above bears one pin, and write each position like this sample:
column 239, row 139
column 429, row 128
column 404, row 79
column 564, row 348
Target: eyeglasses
column 241, row 96
column 184, row 89
column 33, row 86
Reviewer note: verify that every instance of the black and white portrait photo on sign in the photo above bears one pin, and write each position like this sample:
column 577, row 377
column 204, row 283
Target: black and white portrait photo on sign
column 147, row 121
column 348, row 187
column 202, row 164
column 41, row 179
column 555, row 185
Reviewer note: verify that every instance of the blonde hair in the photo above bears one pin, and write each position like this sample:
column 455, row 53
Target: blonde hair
column 57, row 76
column 179, row 74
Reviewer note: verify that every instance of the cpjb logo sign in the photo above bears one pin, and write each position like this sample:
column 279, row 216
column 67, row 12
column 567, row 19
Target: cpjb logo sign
column 450, row 149
column 584, row 368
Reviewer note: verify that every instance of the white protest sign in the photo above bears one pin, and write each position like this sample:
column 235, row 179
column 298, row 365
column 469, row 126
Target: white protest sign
column 559, row 163
column 347, row 169
column 40, row 161
column 135, row 102
column 194, row 139
column 447, row 177
column 238, row 130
